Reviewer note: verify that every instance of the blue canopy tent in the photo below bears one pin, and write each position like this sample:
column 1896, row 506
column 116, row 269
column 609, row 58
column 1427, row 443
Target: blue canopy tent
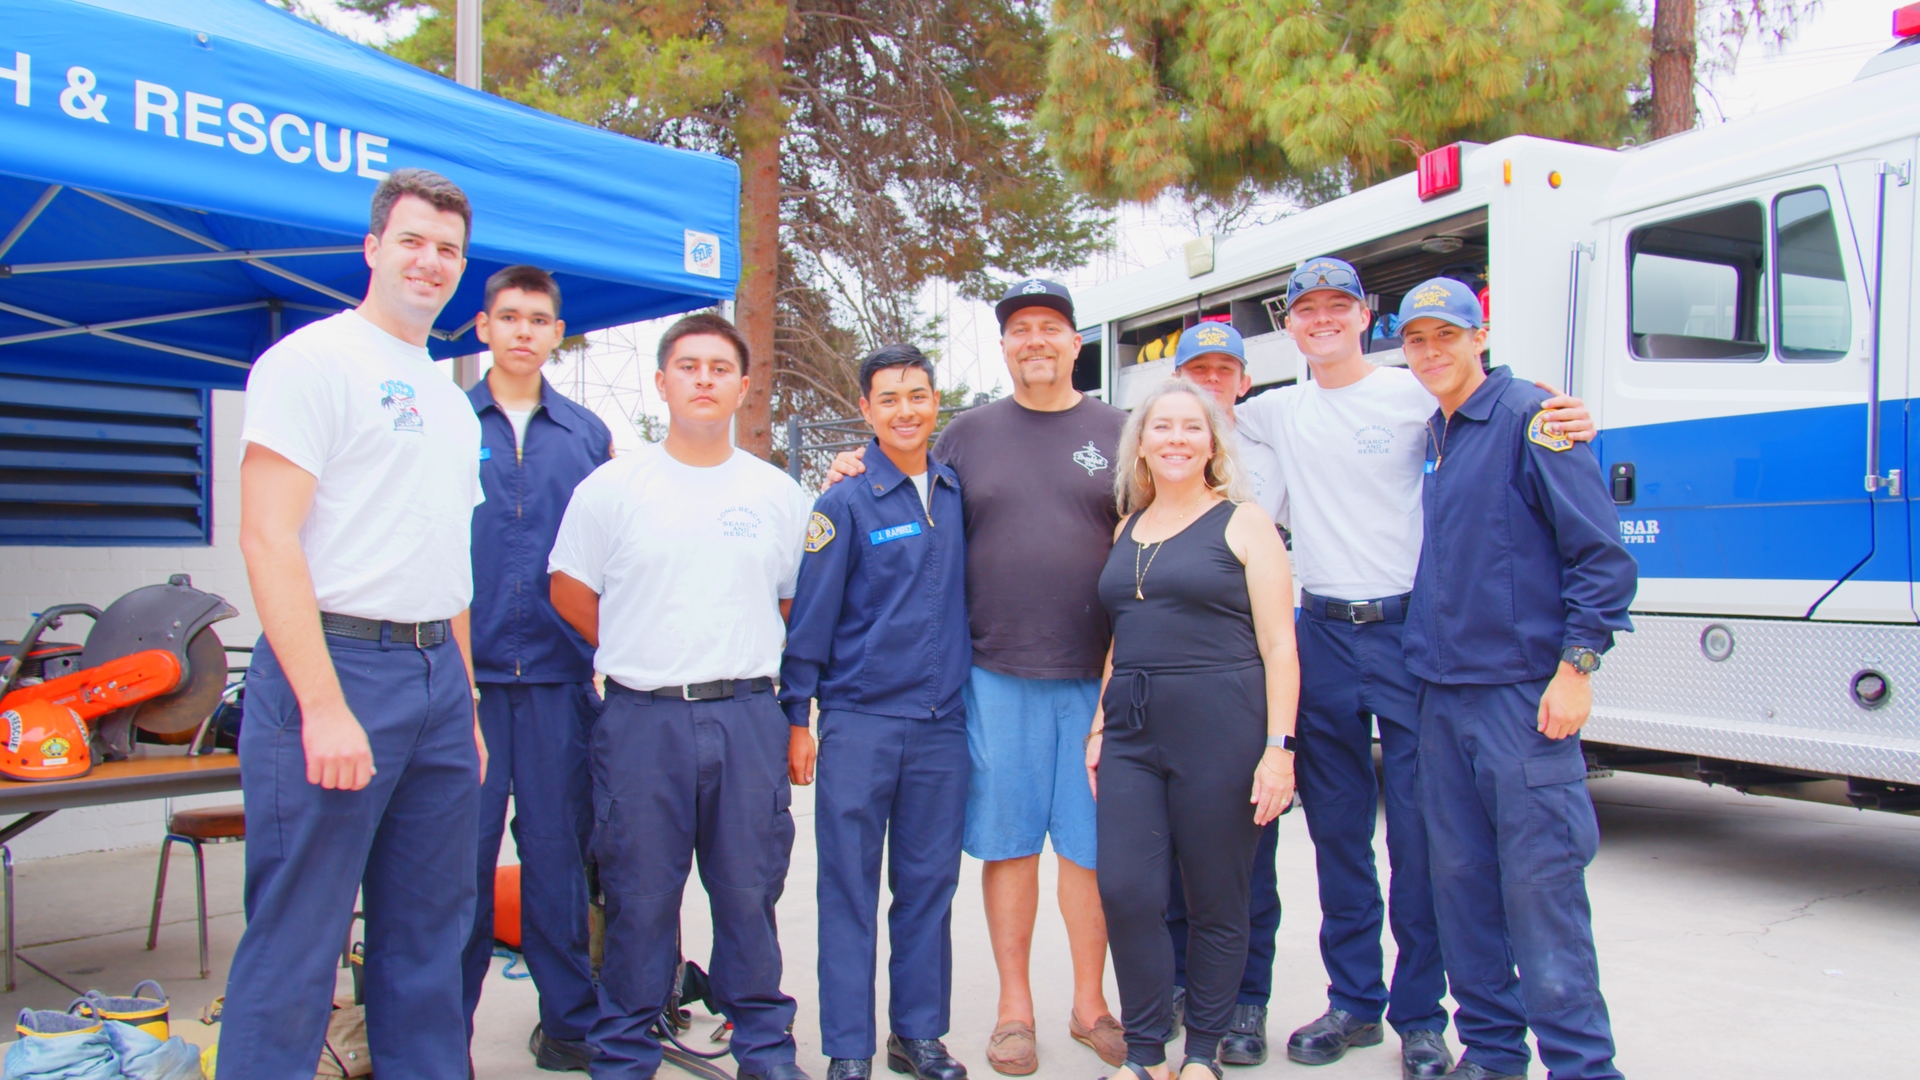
column 183, row 182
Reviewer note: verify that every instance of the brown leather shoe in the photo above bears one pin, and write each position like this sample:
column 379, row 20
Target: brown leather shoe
column 1012, row 1051
column 1106, row 1037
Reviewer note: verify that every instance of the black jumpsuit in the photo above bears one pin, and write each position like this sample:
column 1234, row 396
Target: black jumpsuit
column 1186, row 723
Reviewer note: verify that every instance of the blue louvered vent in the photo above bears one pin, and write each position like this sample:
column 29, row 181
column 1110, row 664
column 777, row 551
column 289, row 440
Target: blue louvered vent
column 92, row 464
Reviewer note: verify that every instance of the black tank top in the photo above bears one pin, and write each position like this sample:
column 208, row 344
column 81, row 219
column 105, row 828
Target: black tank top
column 1195, row 612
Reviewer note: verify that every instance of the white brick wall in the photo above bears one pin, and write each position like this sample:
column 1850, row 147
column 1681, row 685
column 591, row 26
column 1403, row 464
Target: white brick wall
column 32, row 578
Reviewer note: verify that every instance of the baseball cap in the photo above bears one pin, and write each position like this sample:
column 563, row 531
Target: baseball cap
column 1209, row 337
column 1325, row 273
column 1034, row 292
column 1444, row 299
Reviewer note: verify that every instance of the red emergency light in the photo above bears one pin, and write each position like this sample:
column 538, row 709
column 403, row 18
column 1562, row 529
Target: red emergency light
column 1440, row 170
column 1906, row 21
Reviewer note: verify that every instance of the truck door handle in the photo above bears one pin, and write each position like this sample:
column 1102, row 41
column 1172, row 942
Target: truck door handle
column 1620, row 477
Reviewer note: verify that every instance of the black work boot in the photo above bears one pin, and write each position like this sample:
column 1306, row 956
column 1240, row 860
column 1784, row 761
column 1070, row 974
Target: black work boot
column 850, row 1069
column 1473, row 1070
column 1245, row 1042
column 1325, row 1040
column 926, row 1059
column 1424, row 1055
column 558, row 1055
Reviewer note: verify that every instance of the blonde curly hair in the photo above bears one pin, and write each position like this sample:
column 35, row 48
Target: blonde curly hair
column 1133, row 482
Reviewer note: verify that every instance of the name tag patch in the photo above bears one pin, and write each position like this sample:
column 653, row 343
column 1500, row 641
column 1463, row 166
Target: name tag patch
column 486, row 453
column 897, row 532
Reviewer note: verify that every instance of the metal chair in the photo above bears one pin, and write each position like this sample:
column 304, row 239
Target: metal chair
column 196, row 828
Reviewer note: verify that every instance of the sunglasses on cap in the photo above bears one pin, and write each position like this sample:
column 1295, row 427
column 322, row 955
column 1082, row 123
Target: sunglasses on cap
column 1333, row 277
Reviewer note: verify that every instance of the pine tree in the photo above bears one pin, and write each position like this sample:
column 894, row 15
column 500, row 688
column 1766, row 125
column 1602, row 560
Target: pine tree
column 1679, row 38
column 1144, row 96
column 883, row 145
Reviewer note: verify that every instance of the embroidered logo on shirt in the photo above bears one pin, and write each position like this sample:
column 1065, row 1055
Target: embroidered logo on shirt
column 1090, row 458
column 1538, row 434
column 1374, row 439
column 819, row 531
column 398, row 399
column 881, row 536
column 741, row 522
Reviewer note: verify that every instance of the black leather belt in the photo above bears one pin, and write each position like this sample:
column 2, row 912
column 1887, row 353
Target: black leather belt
column 419, row 635
column 1388, row 609
column 717, row 690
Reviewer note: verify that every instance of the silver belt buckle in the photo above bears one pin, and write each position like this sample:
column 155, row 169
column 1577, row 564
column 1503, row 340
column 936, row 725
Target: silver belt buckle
column 1359, row 613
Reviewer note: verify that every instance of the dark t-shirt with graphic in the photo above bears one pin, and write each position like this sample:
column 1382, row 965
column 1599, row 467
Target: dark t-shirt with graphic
column 1038, row 495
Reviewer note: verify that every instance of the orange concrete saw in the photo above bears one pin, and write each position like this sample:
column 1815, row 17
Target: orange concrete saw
column 152, row 662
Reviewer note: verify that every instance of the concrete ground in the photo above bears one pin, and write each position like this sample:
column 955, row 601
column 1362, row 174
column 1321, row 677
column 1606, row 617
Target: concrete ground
column 1739, row 936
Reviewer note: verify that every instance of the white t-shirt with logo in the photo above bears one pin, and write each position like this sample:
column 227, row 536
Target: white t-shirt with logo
column 395, row 448
column 690, row 563
column 1351, row 462
column 1261, row 466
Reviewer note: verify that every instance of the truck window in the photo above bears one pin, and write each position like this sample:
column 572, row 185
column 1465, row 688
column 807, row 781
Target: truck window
column 1698, row 286
column 1814, row 308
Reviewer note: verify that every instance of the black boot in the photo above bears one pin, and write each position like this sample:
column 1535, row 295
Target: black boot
column 558, row 1055
column 1245, row 1042
column 1424, row 1055
column 1472, row 1070
column 926, row 1059
column 850, row 1069
column 1326, row 1039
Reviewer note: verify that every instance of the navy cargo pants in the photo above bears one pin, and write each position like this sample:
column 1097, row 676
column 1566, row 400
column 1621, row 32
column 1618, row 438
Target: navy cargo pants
column 406, row 840
column 1350, row 674
column 672, row 779
column 898, row 784
column 1512, row 831
column 537, row 754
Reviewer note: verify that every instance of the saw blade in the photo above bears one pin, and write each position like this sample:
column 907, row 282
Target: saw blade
column 181, row 712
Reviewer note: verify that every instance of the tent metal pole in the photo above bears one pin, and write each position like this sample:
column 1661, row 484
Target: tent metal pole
column 27, row 219
column 163, row 223
column 125, row 340
column 123, row 324
column 467, row 40
column 17, row 269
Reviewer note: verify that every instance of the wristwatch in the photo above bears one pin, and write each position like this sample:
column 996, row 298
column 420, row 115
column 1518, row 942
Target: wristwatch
column 1285, row 742
column 1582, row 659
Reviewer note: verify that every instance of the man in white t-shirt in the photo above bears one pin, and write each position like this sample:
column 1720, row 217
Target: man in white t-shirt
column 678, row 563
column 361, row 759
column 1351, row 449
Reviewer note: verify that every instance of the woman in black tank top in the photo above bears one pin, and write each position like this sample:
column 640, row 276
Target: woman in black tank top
column 1191, row 751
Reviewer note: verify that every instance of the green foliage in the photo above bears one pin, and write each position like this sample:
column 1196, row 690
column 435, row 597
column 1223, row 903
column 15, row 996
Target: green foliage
column 908, row 153
column 1207, row 95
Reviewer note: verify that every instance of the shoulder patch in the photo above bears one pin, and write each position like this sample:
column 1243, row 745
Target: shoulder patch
column 819, row 531
column 1538, row 434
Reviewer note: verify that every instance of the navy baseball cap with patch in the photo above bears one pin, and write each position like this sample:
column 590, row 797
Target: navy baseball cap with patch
column 1444, row 299
column 1034, row 292
column 1209, row 337
column 1324, row 273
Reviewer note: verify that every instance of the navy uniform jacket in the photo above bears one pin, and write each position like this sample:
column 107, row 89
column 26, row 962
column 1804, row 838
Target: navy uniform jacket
column 1522, row 555
column 879, row 621
column 517, row 636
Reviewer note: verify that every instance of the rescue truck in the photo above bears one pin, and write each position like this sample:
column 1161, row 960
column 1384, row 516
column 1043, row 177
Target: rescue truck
column 1735, row 304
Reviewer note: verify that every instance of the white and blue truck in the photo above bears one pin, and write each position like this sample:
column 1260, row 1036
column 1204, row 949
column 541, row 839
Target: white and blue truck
column 1735, row 304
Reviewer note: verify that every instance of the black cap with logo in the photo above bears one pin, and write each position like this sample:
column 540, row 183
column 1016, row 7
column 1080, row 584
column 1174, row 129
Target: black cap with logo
column 1034, row 292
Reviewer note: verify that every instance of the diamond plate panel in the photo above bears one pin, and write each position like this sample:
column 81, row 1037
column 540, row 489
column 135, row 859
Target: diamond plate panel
column 1782, row 698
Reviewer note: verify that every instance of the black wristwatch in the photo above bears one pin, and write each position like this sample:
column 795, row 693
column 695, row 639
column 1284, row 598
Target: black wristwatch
column 1583, row 660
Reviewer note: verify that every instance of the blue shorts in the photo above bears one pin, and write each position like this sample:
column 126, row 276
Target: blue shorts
column 1028, row 738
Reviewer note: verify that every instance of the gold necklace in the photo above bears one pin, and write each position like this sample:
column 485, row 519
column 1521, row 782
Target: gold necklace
column 1139, row 573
